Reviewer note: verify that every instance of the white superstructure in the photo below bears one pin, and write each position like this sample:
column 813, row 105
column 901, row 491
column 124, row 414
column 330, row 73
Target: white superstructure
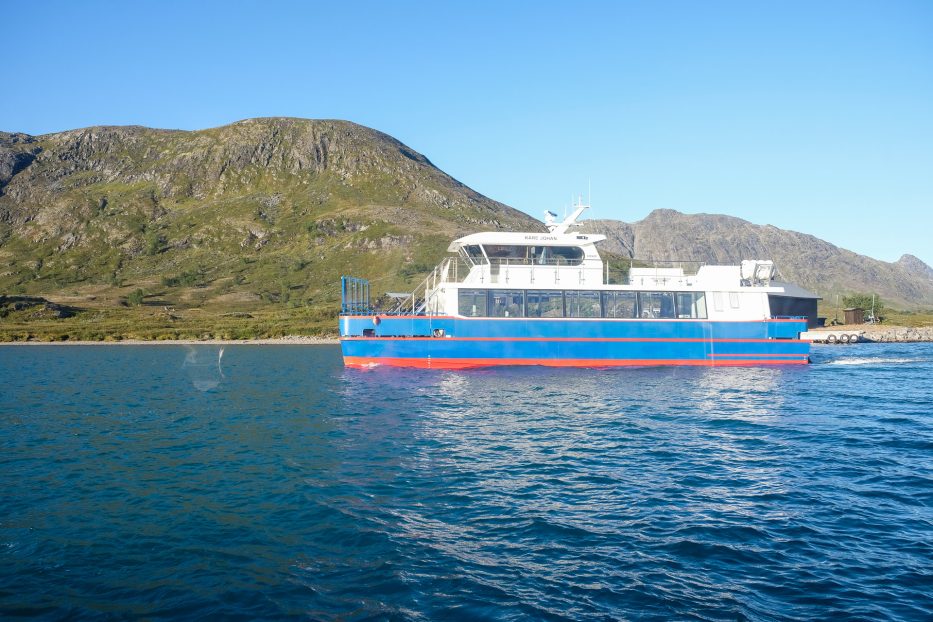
column 566, row 261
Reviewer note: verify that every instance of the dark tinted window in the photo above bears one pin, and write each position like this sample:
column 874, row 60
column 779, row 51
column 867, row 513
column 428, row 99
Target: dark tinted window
column 472, row 302
column 656, row 304
column 502, row 251
column 566, row 254
column 506, row 303
column 582, row 304
column 620, row 304
column 691, row 305
column 541, row 255
column 544, row 304
column 473, row 251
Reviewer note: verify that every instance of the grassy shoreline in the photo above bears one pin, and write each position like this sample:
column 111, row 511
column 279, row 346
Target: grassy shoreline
column 40, row 320
column 64, row 320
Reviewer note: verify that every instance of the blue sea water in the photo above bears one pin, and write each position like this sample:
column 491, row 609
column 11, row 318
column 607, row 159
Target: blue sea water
column 169, row 482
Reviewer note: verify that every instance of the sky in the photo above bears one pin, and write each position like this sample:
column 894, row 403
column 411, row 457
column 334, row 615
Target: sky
column 810, row 116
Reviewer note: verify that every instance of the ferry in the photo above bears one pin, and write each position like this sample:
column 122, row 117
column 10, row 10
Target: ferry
column 509, row 298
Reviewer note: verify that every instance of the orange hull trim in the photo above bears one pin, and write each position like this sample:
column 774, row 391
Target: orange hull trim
column 457, row 363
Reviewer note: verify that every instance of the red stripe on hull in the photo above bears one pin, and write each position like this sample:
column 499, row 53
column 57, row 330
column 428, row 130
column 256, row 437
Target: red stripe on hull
column 760, row 354
column 586, row 339
column 467, row 363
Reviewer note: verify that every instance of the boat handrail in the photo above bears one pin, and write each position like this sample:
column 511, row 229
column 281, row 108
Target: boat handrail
column 456, row 268
column 425, row 297
column 525, row 261
column 419, row 302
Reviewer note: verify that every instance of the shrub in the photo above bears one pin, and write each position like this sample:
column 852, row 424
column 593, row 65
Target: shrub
column 187, row 278
column 415, row 268
column 155, row 244
column 136, row 298
column 864, row 301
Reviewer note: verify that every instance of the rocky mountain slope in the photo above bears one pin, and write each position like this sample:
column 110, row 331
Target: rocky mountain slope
column 263, row 210
column 270, row 212
column 800, row 258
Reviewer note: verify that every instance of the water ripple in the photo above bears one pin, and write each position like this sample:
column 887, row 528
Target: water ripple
column 164, row 482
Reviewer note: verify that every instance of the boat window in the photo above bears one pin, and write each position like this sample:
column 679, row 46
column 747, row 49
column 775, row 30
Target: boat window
column 572, row 255
column 733, row 300
column 691, row 305
column 544, row 304
column 506, row 303
column 541, row 255
column 472, row 302
column 717, row 301
column 620, row 304
column 474, row 251
column 656, row 304
column 582, row 303
column 503, row 251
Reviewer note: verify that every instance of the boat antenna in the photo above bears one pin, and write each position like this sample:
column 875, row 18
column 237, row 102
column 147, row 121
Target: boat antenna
column 570, row 220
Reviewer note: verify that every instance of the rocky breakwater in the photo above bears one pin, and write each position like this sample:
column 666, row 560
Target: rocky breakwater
column 899, row 334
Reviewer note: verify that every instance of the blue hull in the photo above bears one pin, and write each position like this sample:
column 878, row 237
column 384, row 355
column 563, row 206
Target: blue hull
column 455, row 343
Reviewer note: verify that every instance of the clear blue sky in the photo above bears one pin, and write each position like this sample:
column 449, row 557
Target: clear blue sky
column 812, row 116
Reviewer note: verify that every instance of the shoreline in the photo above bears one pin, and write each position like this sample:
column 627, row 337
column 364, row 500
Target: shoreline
column 278, row 341
column 876, row 333
column 870, row 334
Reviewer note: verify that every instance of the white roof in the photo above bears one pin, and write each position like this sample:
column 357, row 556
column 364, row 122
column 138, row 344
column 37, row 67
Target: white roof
column 789, row 289
column 526, row 239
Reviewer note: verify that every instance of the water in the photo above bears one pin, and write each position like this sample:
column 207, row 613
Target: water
column 168, row 482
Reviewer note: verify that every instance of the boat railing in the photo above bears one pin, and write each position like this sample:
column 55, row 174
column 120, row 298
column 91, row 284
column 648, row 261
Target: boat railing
column 354, row 296
column 525, row 261
column 689, row 266
column 454, row 269
column 425, row 298
column 457, row 269
column 657, row 271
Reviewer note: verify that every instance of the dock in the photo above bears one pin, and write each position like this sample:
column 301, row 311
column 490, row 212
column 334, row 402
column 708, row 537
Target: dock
column 833, row 336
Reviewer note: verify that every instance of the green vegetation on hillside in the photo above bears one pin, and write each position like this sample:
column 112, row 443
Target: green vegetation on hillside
column 258, row 218
column 149, row 322
column 244, row 231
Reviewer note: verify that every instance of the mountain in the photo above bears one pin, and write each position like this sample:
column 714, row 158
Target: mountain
column 265, row 215
column 261, row 211
column 913, row 265
column 800, row 258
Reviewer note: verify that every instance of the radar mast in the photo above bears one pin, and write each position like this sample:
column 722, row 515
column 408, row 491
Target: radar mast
column 561, row 227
